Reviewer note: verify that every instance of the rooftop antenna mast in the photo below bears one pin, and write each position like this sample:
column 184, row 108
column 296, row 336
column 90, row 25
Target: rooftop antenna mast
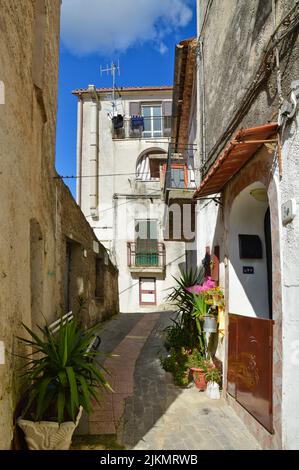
column 113, row 70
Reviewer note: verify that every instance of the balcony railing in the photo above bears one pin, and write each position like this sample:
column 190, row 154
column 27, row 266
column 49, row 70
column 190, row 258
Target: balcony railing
column 145, row 127
column 178, row 176
column 146, row 254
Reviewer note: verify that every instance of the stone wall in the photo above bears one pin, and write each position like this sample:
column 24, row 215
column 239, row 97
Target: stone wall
column 97, row 285
column 235, row 37
column 37, row 212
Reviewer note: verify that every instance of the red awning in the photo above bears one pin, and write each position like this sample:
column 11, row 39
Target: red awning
column 244, row 145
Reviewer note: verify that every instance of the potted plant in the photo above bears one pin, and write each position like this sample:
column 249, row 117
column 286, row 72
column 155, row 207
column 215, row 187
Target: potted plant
column 198, row 367
column 61, row 382
column 213, row 379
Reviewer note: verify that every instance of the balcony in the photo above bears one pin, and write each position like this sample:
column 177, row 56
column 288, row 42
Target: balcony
column 140, row 127
column 146, row 256
column 178, row 181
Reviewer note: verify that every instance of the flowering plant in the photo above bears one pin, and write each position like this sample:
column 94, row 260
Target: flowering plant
column 207, row 285
column 215, row 297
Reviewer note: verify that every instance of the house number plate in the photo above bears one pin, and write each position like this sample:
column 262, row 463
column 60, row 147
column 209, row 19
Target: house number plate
column 248, row 270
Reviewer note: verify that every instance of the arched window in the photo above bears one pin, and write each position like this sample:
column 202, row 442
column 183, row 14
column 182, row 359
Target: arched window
column 150, row 164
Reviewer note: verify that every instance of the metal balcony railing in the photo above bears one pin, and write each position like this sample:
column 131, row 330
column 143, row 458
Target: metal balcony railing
column 146, row 254
column 178, row 177
column 146, row 127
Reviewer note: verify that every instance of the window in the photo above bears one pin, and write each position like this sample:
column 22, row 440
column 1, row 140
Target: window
column 152, row 120
column 178, row 176
column 155, row 167
column 146, row 234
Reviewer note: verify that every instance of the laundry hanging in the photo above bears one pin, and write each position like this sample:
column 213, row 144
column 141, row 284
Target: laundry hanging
column 118, row 121
column 137, row 122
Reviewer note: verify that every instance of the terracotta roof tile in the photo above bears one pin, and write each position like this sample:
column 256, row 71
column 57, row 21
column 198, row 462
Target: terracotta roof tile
column 237, row 152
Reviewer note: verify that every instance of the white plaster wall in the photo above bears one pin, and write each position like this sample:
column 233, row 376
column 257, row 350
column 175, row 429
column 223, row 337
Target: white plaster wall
column 290, row 291
column 209, row 231
column 128, row 211
column 247, row 217
column 115, row 225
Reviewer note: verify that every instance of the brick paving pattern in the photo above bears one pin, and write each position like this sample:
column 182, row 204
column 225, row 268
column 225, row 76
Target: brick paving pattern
column 107, row 416
column 147, row 411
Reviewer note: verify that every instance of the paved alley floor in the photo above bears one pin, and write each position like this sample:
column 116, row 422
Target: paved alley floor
column 147, row 411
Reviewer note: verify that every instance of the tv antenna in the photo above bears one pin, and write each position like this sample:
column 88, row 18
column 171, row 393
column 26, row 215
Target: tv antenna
column 113, row 70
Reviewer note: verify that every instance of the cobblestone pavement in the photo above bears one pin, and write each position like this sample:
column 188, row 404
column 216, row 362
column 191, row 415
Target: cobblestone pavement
column 147, row 411
column 194, row 422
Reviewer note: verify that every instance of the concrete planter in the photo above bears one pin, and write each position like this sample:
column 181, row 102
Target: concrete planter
column 48, row 435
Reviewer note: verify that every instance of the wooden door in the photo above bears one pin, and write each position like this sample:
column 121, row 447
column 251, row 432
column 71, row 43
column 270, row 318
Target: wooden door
column 147, row 291
column 250, row 368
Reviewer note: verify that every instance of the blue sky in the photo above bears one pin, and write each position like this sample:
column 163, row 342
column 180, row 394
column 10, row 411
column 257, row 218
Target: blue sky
column 143, row 40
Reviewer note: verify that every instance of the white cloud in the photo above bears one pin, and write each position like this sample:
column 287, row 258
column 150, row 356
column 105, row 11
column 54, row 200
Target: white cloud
column 108, row 26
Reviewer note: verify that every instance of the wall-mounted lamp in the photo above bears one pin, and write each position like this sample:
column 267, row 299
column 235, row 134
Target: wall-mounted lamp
column 259, row 194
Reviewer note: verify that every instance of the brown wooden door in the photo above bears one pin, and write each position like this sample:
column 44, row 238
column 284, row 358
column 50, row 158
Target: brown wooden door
column 250, row 368
column 232, row 356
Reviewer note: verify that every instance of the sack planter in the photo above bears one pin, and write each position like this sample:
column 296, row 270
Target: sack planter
column 213, row 378
column 199, row 378
column 213, row 391
column 49, row 435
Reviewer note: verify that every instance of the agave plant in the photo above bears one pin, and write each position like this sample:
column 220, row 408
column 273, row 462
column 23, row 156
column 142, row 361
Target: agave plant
column 181, row 297
column 61, row 373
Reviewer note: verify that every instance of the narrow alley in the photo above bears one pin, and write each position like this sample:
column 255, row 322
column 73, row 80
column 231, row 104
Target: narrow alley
column 149, row 229
column 147, row 411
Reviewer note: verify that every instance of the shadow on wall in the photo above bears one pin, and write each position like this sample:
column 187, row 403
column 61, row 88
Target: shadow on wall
column 248, row 278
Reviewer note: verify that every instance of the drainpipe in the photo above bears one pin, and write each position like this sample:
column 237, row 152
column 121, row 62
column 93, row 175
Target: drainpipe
column 79, row 149
column 202, row 102
column 94, row 153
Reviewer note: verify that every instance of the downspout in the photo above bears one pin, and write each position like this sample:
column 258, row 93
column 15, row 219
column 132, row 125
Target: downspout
column 115, row 232
column 202, row 103
column 79, row 149
column 94, row 153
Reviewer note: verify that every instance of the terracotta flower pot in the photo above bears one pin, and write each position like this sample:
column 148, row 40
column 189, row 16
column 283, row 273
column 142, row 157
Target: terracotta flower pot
column 199, row 378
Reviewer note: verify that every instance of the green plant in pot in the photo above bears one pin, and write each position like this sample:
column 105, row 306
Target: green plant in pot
column 198, row 366
column 62, row 381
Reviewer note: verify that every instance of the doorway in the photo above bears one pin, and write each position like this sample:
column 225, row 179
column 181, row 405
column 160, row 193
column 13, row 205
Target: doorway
column 268, row 244
column 147, row 291
column 146, row 232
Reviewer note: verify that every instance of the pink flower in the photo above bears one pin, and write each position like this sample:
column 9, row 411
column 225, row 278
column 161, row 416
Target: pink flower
column 197, row 289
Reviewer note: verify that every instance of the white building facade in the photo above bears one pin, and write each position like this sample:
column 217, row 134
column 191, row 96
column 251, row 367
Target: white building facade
column 121, row 162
